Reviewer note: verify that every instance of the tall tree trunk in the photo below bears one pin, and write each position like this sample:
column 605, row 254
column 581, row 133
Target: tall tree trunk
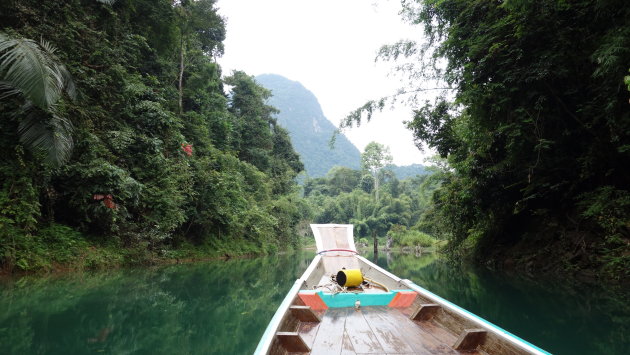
column 375, row 242
column 181, row 76
column 376, row 185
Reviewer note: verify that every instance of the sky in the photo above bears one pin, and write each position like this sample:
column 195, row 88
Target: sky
column 329, row 46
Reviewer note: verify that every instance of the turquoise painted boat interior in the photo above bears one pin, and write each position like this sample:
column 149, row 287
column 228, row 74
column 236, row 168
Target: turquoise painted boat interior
column 339, row 300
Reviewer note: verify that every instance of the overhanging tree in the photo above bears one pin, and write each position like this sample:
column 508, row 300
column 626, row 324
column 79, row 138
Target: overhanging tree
column 536, row 126
column 539, row 124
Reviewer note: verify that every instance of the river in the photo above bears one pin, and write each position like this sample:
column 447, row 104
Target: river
column 222, row 307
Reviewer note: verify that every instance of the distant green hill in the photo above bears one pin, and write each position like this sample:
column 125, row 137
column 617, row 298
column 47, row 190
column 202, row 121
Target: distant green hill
column 310, row 131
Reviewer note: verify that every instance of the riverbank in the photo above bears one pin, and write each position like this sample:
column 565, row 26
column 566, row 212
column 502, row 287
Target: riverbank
column 576, row 255
column 105, row 257
column 66, row 250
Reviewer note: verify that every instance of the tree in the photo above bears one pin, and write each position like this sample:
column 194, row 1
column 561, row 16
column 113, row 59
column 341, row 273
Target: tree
column 200, row 27
column 254, row 139
column 32, row 71
column 367, row 183
column 285, row 163
column 374, row 158
column 157, row 161
column 536, row 129
column 343, row 179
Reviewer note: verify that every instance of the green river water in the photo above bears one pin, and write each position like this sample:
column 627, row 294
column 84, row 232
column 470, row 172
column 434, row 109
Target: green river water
column 223, row 307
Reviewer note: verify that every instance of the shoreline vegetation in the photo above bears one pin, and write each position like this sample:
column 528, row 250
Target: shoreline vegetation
column 88, row 257
column 84, row 255
column 142, row 150
column 125, row 143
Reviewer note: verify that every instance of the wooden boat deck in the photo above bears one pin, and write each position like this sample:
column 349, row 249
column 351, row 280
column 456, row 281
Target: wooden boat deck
column 396, row 316
column 375, row 330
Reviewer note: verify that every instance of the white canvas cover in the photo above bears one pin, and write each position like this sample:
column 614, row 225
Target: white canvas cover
column 333, row 236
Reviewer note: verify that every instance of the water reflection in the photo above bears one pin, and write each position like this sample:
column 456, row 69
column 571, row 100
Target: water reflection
column 223, row 307
column 559, row 316
column 209, row 308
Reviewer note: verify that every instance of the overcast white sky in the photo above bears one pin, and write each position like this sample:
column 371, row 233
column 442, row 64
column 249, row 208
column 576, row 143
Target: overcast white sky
column 329, row 46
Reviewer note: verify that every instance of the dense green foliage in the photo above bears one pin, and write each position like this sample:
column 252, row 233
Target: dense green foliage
column 162, row 156
column 405, row 237
column 349, row 196
column 536, row 129
column 310, row 130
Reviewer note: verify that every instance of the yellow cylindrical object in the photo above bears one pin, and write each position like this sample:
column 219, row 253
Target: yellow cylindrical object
column 349, row 278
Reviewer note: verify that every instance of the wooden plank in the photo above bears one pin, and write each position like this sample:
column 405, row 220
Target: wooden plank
column 388, row 336
column 441, row 334
column 308, row 332
column 422, row 341
column 469, row 339
column 304, row 314
column 346, row 345
column 425, row 311
column 297, row 301
column 330, row 334
column 281, row 321
column 292, row 342
column 457, row 320
column 363, row 340
column 276, row 347
column 404, row 331
column 409, row 311
column 453, row 322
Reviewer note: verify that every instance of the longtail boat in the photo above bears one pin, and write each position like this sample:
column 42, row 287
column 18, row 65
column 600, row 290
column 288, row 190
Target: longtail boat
column 345, row 304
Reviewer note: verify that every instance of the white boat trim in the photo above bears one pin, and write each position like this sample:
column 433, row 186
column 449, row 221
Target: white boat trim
column 274, row 324
column 379, row 269
column 273, row 327
column 523, row 344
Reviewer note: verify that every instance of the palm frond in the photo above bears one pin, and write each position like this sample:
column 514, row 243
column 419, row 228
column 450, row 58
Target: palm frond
column 48, row 132
column 6, row 90
column 62, row 76
column 33, row 71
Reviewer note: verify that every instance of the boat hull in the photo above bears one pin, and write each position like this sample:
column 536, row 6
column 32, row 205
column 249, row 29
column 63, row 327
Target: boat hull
column 387, row 314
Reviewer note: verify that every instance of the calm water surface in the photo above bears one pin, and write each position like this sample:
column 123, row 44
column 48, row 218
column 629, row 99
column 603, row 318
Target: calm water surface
column 223, row 307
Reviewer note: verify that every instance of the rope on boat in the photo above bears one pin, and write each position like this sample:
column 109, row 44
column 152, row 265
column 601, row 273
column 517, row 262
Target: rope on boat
column 377, row 283
column 334, row 288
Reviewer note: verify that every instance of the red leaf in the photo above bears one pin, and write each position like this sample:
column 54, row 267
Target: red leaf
column 109, row 203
